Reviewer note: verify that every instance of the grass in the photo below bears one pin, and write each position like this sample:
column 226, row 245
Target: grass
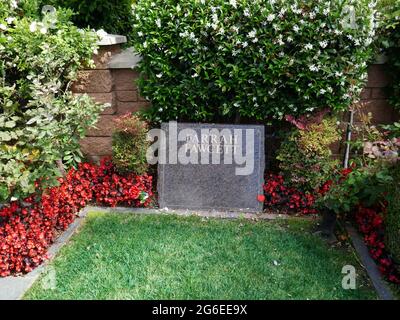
column 121, row 256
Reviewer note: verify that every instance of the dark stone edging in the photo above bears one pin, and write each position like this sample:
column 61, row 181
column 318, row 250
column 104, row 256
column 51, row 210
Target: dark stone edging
column 380, row 286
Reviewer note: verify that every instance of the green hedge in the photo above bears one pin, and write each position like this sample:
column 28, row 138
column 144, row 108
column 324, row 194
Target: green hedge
column 114, row 16
column 389, row 39
column 393, row 216
column 216, row 60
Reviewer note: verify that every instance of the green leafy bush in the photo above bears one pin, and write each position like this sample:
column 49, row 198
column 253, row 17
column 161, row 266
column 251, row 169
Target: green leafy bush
column 393, row 215
column 114, row 16
column 370, row 177
column 217, row 60
column 130, row 145
column 389, row 40
column 41, row 122
column 305, row 156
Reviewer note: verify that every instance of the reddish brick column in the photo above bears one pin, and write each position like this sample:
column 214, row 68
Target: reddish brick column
column 374, row 96
column 115, row 87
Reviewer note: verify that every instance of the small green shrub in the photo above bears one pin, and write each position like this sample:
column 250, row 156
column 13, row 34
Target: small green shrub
column 114, row 16
column 217, row 60
column 305, row 155
column 130, row 145
column 393, row 215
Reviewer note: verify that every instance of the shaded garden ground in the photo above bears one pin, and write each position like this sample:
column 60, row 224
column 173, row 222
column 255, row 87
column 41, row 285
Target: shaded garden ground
column 123, row 256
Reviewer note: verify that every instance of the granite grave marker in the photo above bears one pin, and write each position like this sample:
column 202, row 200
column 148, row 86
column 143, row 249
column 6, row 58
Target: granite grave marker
column 211, row 166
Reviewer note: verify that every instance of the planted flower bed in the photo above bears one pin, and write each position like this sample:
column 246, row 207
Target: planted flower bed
column 28, row 228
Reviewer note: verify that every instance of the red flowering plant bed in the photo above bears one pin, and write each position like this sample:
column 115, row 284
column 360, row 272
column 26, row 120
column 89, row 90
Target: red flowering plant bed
column 371, row 225
column 29, row 227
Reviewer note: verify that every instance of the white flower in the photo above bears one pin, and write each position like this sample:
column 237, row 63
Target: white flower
column 289, row 39
column 236, row 29
column 14, row 4
column 145, row 44
column 326, row 11
column 140, row 34
column 322, row 91
column 3, row 27
column 245, row 44
column 271, row 17
column 159, row 75
column 233, row 3
column 296, row 28
column 43, row 30
column 246, row 12
column 255, row 40
column 313, row 67
column 10, row 20
column 101, row 33
column 33, row 26
column 158, row 23
column 308, row 46
column 282, row 12
column 323, row 44
column 195, row 75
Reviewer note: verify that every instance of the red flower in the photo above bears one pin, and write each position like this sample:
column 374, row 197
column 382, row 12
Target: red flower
column 26, row 233
column 261, row 198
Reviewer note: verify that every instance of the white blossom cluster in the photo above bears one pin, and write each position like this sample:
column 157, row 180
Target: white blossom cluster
column 271, row 57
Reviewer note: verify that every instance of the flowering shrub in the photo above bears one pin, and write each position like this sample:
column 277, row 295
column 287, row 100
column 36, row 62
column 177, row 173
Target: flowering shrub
column 305, row 156
column 41, row 121
column 28, row 228
column 216, row 60
column 129, row 144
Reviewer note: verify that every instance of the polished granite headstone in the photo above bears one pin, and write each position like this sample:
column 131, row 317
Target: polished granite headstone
column 194, row 178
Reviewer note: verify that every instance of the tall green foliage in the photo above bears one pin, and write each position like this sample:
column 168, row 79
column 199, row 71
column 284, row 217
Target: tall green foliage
column 114, row 16
column 392, row 221
column 390, row 41
column 41, row 121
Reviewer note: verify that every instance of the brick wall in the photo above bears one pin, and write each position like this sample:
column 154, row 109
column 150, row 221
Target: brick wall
column 374, row 96
column 114, row 84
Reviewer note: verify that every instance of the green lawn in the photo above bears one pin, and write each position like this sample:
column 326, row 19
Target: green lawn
column 120, row 256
